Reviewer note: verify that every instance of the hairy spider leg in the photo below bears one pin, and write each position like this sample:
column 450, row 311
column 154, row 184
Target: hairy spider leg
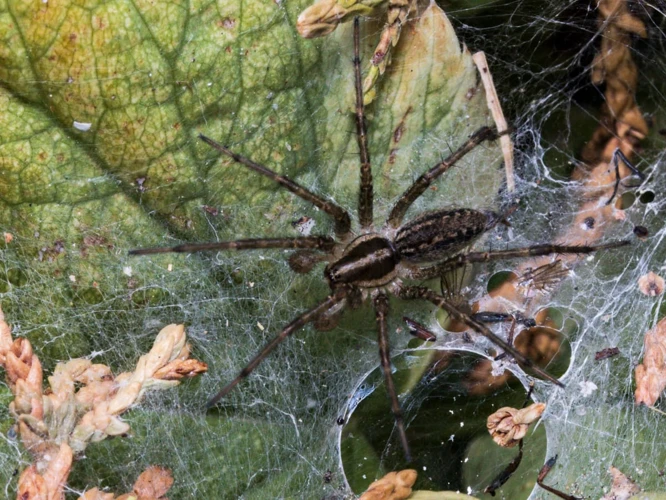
column 305, row 318
column 365, row 195
column 421, row 332
column 419, row 186
column 541, row 477
column 534, row 251
column 381, row 311
column 506, row 474
column 420, row 292
column 451, row 283
column 323, row 243
column 619, row 155
column 340, row 216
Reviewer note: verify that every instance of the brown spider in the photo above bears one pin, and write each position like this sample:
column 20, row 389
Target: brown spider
column 370, row 263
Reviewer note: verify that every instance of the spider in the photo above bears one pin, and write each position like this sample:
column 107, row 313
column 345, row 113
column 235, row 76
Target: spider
column 370, row 263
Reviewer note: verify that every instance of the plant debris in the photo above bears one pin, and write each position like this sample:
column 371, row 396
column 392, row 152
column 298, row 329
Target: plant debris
column 606, row 353
column 651, row 284
column 651, row 374
column 393, row 486
column 83, row 404
column 508, row 425
column 152, row 484
column 623, row 488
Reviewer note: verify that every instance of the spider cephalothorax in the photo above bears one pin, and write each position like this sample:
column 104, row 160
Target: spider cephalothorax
column 376, row 259
column 373, row 263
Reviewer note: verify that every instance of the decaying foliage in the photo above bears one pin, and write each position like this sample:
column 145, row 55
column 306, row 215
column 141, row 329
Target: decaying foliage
column 152, row 484
column 651, row 284
column 83, row 405
column 622, row 488
column 651, row 374
column 323, row 17
column 393, row 486
column 508, row 426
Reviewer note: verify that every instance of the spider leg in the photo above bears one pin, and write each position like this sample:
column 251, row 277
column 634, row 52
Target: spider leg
column 421, row 332
column 619, row 155
column 545, row 470
column 419, row 292
column 308, row 316
column 365, row 194
column 340, row 216
column 323, row 243
column 422, row 183
column 381, row 310
column 533, row 251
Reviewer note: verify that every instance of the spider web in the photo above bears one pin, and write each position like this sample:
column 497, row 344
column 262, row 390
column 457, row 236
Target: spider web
column 70, row 288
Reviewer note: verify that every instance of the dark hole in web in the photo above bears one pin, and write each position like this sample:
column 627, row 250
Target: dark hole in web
column 447, row 397
column 647, row 197
column 641, row 232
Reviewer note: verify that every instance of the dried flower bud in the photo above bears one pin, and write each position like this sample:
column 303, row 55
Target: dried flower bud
column 651, row 284
column 323, row 17
column 508, row 425
column 393, row 486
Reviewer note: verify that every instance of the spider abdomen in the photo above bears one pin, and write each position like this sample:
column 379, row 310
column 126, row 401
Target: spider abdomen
column 370, row 260
column 439, row 234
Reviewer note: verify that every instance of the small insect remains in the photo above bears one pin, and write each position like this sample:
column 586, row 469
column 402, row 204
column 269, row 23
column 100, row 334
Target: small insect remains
column 370, row 263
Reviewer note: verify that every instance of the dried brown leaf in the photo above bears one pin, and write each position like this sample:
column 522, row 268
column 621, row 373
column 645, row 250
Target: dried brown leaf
column 31, row 485
column 154, row 482
column 96, row 494
column 393, row 486
column 651, row 375
column 623, row 488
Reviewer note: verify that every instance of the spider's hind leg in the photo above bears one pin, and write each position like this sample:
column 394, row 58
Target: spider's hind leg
column 459, row 260
column 331, row 301
column 420, row 292
column 420, row 185
column 381, row 304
